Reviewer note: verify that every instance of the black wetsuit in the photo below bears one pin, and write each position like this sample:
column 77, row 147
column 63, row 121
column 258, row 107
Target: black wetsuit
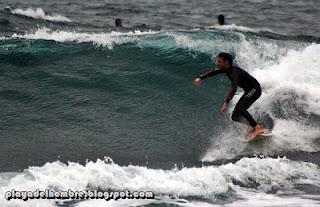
column 251, row 87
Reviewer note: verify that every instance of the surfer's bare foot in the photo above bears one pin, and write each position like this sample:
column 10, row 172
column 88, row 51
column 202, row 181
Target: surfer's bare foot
column 256, row 128
column 259, row 129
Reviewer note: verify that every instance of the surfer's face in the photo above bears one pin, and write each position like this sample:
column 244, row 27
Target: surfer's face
column 222, row 64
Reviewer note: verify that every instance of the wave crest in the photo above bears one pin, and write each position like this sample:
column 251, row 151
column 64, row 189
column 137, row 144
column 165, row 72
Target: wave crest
column 38, row 13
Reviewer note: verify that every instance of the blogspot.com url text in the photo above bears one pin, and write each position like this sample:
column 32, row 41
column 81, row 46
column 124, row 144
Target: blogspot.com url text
column 70, row 194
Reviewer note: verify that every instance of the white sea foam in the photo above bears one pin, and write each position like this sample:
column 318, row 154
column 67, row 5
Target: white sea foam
column 277, row 174
column 234, row 27
column 38, row 13
column 102, row 39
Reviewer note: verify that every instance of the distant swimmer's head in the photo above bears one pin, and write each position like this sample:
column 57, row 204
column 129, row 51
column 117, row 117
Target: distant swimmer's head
column 118, row 22
column 224, row 61
column 221, row 19
column 7, row 8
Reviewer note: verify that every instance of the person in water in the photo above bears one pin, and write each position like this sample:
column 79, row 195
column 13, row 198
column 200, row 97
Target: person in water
column 238, row 77
column 118, row 22
column 221, row 19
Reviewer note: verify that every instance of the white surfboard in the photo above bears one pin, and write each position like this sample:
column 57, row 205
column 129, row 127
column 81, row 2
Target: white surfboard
column 267, row 133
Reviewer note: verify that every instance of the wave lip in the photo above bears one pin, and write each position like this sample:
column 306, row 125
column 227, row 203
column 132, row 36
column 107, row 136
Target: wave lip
column 38, row 13
column 234, row 27
column 101, row 39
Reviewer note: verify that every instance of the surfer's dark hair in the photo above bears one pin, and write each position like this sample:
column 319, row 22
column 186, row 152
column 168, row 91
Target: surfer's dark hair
column 226, row 57
column 221, row 17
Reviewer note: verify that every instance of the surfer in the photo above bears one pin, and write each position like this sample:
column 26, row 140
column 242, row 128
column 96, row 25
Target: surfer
column 251, row 87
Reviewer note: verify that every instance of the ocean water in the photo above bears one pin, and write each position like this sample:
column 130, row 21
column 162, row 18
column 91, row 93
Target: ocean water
column 84, row 105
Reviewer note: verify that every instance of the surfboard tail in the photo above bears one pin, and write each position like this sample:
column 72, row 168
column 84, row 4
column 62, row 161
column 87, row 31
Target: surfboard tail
column 266, row 132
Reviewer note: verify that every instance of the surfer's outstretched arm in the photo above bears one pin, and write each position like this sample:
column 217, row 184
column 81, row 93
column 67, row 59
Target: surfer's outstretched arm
column 210, row 73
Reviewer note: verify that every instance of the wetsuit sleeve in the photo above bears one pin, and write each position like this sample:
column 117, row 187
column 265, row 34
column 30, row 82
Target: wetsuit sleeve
column 235, row 78
column 232, row 91
column 210, row 73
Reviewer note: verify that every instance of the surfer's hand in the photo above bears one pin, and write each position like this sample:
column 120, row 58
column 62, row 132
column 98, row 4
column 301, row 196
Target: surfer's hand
column 197, row 82
column 223, row 108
